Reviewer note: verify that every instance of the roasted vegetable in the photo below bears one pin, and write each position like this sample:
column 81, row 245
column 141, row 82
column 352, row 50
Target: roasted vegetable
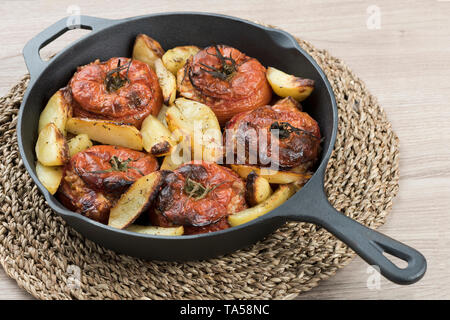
column 157, row 139
column 107, row 132
column 272, row 176
column 257, row 189
column 175, row 58
column 167, row 82
column 79, row 143
column 57, row 111
column 226, row 80
column 50, row 177
column 51, row 147
column 147, row 50
column 118, row 90
column 280, row 135
column 135, row 200
column 162, row 115
column 286, row 85
column 198, row 194
column 157, row 231
column 280, row 195
column 197, row 122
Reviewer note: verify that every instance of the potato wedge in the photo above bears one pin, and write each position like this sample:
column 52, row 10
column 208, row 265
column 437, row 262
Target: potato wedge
column 257, row 189
column 57, row 111
column 180, row 154
column 198, row 123
column 286, row 85
column 135, row 200
column 51, row 147
column 157, row 231
column 50, row 177
column 162, row 115
column 272, row 176
column 175, row 58
column 157, row 139
column 280, row 195
column 167, row 82
column 107, row 132
column 147, row 50
column 79, row 143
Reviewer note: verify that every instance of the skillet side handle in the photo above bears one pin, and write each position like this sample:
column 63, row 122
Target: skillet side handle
column 367, row 243
column 31, row 50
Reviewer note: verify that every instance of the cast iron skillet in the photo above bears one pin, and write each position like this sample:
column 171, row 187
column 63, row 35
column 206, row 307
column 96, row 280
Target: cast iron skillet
column 272, row 47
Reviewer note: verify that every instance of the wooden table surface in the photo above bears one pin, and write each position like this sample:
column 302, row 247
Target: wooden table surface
column 404, row 58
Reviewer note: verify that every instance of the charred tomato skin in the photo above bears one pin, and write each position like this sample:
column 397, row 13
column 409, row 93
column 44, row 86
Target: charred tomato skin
column 90, row 184
column 94, row 166
column 139, row 95
column 297, row 146
column 244, row 89
column 174, row 204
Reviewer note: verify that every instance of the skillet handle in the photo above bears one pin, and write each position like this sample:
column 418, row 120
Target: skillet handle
column 31, row 50
column 367, row 243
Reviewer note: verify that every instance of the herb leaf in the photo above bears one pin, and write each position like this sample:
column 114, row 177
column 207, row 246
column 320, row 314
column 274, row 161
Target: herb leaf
column 114, row 80
column 196, row 190
column 118, row 165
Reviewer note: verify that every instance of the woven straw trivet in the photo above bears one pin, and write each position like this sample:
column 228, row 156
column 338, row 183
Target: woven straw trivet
column 39, row 250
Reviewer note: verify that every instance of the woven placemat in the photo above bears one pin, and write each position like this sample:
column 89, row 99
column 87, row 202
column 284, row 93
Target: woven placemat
column 43, row 254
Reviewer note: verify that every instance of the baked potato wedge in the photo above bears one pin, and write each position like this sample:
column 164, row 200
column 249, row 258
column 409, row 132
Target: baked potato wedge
column 196, row 122
column 280, row 195
column 147, row 50
column 135, row 200
column 257, row 189
column 51, row 147
column 50, row 177
column 272, row 176
column 57, row 111
column 156, row 138
column 79, row 143
column 162, row 115
column 157, row 231
column 175, row 58
column 167, row 82
column 286, row 85
column 107, row 132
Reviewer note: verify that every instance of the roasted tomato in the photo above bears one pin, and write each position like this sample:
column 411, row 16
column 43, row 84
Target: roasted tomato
column 120, row 89
column 199, row 195
column 297, row 143
column 226, row 80
column 95, row 178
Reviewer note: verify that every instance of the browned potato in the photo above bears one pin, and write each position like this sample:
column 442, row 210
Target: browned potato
column 107, row 132
column 198, row 123
column 167, row 82
column 284, row 192
column 175, row 58
column 135, row 200
column 50, row 177
column 272, row 176
column 157, row 139
column 257, row 189
column 162, row 115
column 147, row 50
column 51, row 147
column 57, row 111
column 286, row 85
column 79, row 143
column 157, row 231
